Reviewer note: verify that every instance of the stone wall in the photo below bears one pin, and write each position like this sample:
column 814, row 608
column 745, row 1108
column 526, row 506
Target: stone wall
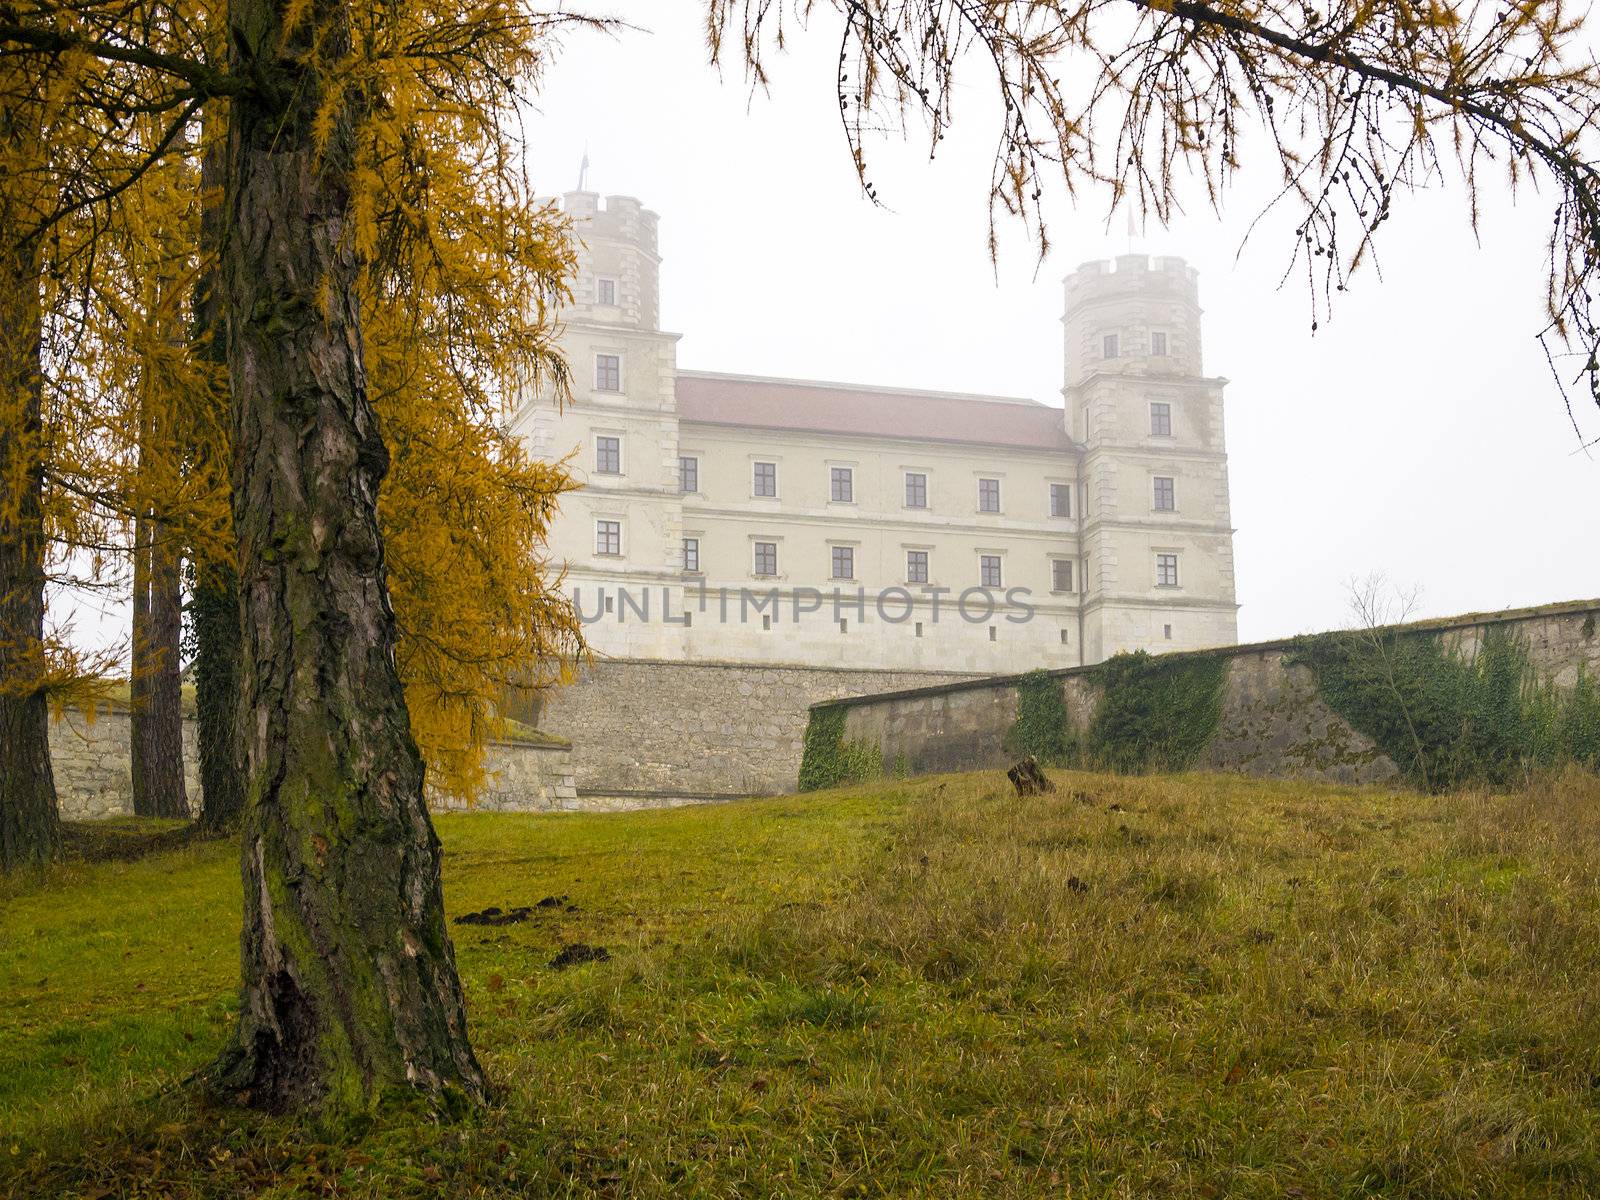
column 652, row 733
column 1273, row 721
column 90, row 755
column 94, row 779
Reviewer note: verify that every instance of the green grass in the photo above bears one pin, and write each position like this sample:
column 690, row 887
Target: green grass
column 1192, row 986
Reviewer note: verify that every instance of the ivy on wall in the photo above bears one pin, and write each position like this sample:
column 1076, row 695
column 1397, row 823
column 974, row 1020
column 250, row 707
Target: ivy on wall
column 1155, row 714
column 1041, row 727
column 828, row 760
column 1450, row 720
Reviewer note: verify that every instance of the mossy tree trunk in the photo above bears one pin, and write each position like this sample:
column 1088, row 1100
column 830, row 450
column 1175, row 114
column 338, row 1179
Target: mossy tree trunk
column 350, row 987
column 29, row 821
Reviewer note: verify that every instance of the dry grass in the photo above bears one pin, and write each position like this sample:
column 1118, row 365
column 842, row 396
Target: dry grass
column 1192, row 986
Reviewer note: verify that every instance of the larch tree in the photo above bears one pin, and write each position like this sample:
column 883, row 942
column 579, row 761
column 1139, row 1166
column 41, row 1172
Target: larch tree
column 1351, row 104
column 350, row 989
column 50, row 162
column 29, row 828
column 160, row 244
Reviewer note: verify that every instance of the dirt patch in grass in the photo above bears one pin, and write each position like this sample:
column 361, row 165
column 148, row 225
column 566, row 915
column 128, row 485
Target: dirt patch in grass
column 124, row 839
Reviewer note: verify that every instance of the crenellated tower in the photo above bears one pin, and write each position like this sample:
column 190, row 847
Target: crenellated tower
column 1156, row 540
column 621, row 424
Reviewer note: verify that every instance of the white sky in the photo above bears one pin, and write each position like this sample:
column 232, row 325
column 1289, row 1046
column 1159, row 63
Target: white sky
column 1418, row 433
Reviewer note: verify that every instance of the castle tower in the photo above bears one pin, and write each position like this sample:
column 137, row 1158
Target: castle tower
column 624, row 527
column 1157, row 539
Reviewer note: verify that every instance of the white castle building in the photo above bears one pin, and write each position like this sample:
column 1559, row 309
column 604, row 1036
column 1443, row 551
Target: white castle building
column 731, row 518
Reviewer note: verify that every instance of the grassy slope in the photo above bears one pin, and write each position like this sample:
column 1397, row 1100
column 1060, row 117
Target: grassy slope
column 1185, row 987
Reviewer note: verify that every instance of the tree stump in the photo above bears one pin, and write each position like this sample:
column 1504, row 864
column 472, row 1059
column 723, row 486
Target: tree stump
column 1029, row 779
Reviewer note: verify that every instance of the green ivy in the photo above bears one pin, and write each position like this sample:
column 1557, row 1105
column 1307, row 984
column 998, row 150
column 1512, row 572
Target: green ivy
column 1155, row 714
column 1449, row 721
column 829, row 761
column 1041, row 727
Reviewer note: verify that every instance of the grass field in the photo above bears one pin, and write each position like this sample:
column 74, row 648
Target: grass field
column 1192, row 986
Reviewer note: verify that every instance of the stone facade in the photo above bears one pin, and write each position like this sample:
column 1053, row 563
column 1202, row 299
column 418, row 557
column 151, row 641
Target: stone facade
column 1098, row 526
column 90, row 756
column 1273, row 721
column 652, row 733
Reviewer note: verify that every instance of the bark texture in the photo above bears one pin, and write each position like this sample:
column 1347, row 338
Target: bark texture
column 350, row 986
column 29, row 822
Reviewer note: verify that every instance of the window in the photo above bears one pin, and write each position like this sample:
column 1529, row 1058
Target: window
column 841, row 485
column 994, row 634
column 608, row 372
column 989, row 570
column 1166, row 494
column 1167, row 630
column 1060, row 499
column 1063, row 637
column 1166, row 570
column 608, row 455
column 988, row 495
column 916, row 566
column 919, row 628
column 766, row 558
column 1160, row 419
column 844, row 562
column 608, row 291
column 916, row 490
column 691, row 555
column 1061, row 574
column 608, row 537
column 1108, row 346
column 844, row 625
column 766, row 479
column 1158, row 343
column 688, row 474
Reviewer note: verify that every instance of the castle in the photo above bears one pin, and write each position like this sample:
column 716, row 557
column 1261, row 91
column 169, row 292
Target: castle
column 730, row 518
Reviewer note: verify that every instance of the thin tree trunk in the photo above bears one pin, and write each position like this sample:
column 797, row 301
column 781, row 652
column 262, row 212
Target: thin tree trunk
column 163, row 783
column 215, row 603
column 30, row 829
column 139, row 749
column 350, row 985
column 154, row 687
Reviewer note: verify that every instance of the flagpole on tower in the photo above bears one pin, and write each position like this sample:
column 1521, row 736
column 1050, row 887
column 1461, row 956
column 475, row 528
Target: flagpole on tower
column 583, row 169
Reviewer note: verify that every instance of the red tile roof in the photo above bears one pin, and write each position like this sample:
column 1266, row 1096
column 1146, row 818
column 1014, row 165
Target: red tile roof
column 876, row 412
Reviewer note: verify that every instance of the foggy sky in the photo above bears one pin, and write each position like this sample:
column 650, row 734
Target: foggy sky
column 1418, row 433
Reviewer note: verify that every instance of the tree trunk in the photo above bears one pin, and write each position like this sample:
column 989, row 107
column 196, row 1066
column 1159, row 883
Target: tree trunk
column 139, row 647
column 350, row 986
column 29, row 823
column 157, row 716
column 215, row 605
column 155, row 692
column 215, row 602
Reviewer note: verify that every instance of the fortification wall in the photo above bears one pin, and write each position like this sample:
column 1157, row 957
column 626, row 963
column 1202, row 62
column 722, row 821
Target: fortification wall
column 94, row 779
column 1273, row 720
column 653, row 733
